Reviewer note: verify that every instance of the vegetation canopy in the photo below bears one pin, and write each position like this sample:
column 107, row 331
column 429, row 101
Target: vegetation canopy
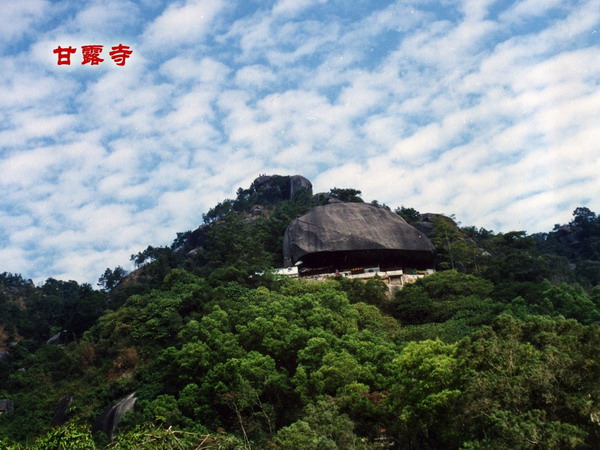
column 203, row 345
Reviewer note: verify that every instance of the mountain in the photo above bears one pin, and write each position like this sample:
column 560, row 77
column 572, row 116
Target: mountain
column 203, row 345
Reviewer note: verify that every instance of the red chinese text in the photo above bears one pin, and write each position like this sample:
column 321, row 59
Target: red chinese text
column 91, row 54
column 120, row 53
column 64, row 55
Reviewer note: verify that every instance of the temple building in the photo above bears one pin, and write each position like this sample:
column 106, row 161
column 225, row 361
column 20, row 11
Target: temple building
column 356, row 239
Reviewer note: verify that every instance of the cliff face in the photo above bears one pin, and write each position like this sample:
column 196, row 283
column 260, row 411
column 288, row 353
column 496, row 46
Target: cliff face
column 358, row 228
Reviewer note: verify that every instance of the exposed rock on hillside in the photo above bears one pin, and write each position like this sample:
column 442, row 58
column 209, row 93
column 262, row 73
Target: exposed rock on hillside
column 111, row 416
column 569, row 235
column 425, row 225
column 348, row 233
column 277, row 187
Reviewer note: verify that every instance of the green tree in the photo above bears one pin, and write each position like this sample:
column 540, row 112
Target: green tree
column 424, row 393
column 571, row 301
column 514, row 257
column 443, row 296
column 66, row 437
column 530, row 384
column 245, row 385
column 346, row 195
column 373, row 291
column 454, row 250
column 322, row 426
column 583, row 217
column 411, row 215
column 111, row 278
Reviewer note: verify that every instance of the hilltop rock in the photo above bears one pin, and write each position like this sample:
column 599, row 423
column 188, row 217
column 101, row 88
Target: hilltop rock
column 254, row 203
column 272, row 188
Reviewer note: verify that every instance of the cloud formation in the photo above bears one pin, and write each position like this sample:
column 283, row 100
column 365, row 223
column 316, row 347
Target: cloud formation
column 483, row 109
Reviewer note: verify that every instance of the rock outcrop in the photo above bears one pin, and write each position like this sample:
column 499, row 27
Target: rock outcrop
column 354, row 232
column 425, row 225
column 60, row 414
column 111, row 416
column 264, row 192
column 271, row 188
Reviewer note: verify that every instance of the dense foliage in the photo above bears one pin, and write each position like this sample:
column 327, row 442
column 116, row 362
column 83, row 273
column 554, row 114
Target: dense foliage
column 498, row 349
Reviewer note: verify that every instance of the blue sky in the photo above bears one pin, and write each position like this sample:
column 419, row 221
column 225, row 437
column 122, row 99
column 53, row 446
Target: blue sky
column 488, row 110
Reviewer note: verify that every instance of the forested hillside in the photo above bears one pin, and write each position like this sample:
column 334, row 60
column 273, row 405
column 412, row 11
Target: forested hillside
column 497, row 349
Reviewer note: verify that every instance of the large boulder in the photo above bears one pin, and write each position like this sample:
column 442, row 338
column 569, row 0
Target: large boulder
column 352, row 229
column 111, row 416
column 62, row 407
column 275, row 188
column 6, row 406
column 299, row 183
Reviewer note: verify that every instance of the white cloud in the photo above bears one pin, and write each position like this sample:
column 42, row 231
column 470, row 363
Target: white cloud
column 476, row 9
column 255, row 76
column 107, row 18
column 462, row 111
column 15, row 260
column 530, row 8
column 25, row 169
column 19, row 17
column 290, row 7
column 182, row 23
column 188, row 68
